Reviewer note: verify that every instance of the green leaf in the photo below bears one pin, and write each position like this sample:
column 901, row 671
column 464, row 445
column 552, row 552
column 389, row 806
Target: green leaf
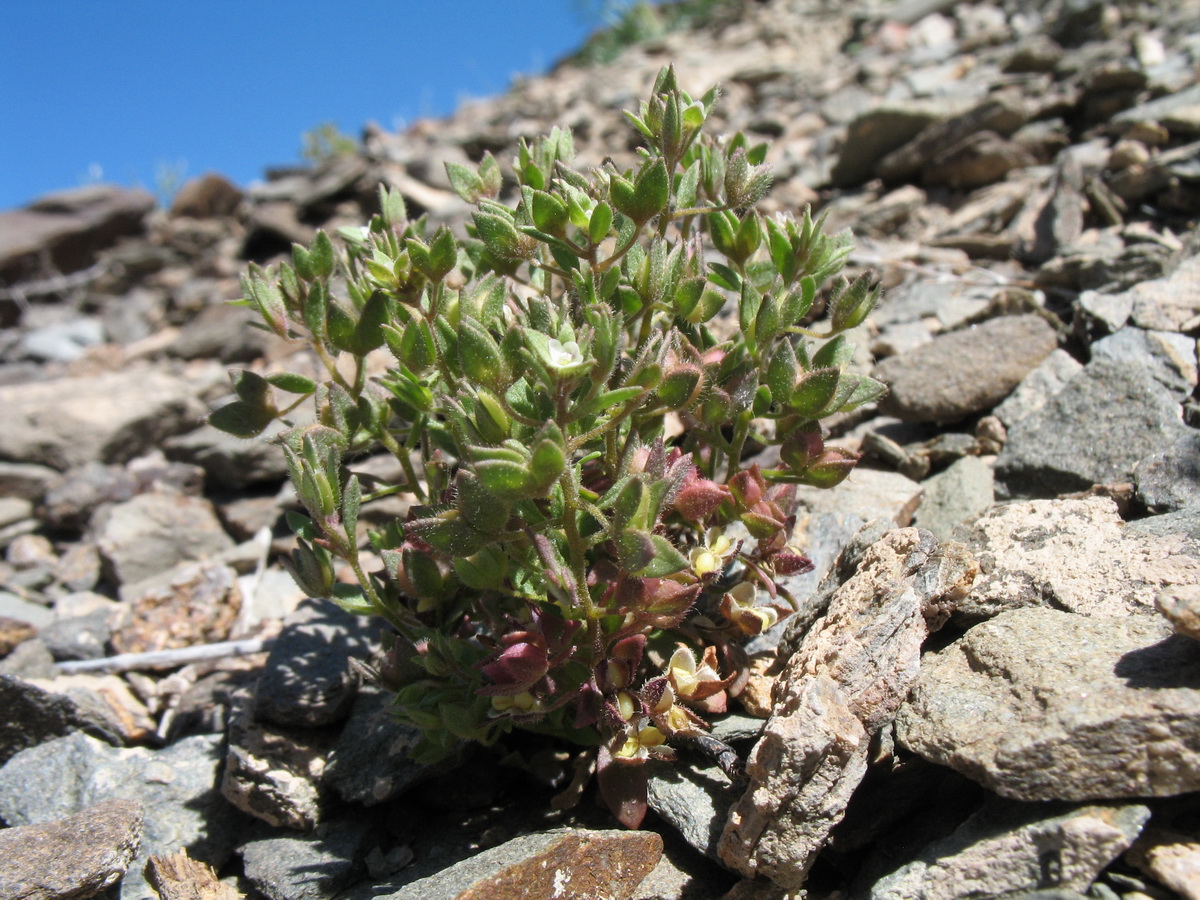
column 467, row 184
column 479, row 355
column 600, row 222
column 666, row 560
column 251, row 387
column 352, row 599
column 320, row 256
column 506, row 479
column 815, row 392
column 782, row 371
column 652, row 190
column 834, row 354
column 241, row 419
column 499, row 235
column 549, row 213
column 351, row 503
column 443, row 254
column 292, row 382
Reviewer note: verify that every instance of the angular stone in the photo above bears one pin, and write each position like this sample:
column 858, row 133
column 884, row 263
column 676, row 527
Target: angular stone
column 965, row 372
column 109, row 418
column 193, row 603
column 209, row 196
column 370, row 763
column 307, row 867
column 176, row 785
column 962, row 492
column 33, row 716
column 75, row 857
column 1040, row 704
column 229, row 462
column 850, row 675
column 1008, row 847
column 873, row 135
column 568, row 864
column 1170, row 303
column 1181, row 606
column 1093, row 431
column 1074, row 555
column 176, row 876
column 1171, row 857
column 69, row 227
column 1169, row 480
column 1169, row 356
column 307, row 681
column 273, row 775
column 692, row 798
column 149, row 534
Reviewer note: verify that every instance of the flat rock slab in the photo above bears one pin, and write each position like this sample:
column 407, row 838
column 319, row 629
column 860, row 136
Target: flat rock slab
column 1093, row 431
column 78, row 856
column 177, row 787
column 965, row 372
column 568, row 864
column 1040, row 704
column 1074, row 555
column 34, row 716
column 1171, row 303
column 1009, row 846
column 851, row 673
column 111, row 418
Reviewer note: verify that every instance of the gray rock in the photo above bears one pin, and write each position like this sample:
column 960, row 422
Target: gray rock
column 25, row 481
column 307, row 867
column 1160, row 108
column 68, row 228
column 33, row 716
column 177, row 787
column 850, row 675
column 230, row 463
column 1169, row 356
column 274, row 775
column 1074, row 555
column 307, row 681
column 952, row 303
column 873, row 135
column 1171, row 303
column 962, row 492
column 1185, row 521
column 109, row 418
column 1110, row 311
column 152, row 532
column 1093, row 431
column 63, row 342
column 222, row 332
column 1169, row 480
column 1010, row 846
column 1040, row 704
column 14, row 607
column 75, row 857
column 571, row 864
column 370, row 762
column 694, row 799
column 965, row 372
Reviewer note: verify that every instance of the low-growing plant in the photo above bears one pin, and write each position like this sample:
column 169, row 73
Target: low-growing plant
column 570, row 393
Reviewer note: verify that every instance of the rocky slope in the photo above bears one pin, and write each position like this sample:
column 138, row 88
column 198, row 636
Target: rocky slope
column 993, row 683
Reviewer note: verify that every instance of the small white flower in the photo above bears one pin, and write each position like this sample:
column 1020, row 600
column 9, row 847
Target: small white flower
column 563, row 356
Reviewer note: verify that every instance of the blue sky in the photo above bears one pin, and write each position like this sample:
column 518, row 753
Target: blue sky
column 117, row 90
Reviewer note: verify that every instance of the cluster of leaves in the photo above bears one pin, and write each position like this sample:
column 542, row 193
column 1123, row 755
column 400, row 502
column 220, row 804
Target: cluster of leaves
column 325, row 142
column 568, row 565
column 630, row 22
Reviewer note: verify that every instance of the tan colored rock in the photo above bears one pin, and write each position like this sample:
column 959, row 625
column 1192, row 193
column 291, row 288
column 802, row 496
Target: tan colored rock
column 1040, row 704
column 1181, row 605
column 196, row 603
column 1170, row 303
column 1075, row 555
column 850, row 675
column 1170, row 857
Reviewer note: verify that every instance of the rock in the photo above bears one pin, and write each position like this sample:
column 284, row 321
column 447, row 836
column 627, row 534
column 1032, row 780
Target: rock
column 1040, row 704
column 1170, row 303
column 307, row 681
column 964, row 372
column 1186, row 521
column 1008, row 847
column 1169, row 356
column 63, row 342
column 1180, row 604
column 25, row 481
column 177, row 788
column 69, row 228
column 108, row 698
column 108, row 418
column 872, row 136
column 224, row 332
column 1169, row 480
column 274, row 775
column 13, row 632
column 962, row 492
column 149, row 534
column 75, row 857
column 228, row 462
column 1171, row 857
column 1073, row 555
column 693, row 799
column 193, row 603
column 307, row 867
column 207, row 197
column 178, row 877
column 370, row 762
column 846, row 681
column 33, row 716
column 1093, row 431
column 571, row 864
